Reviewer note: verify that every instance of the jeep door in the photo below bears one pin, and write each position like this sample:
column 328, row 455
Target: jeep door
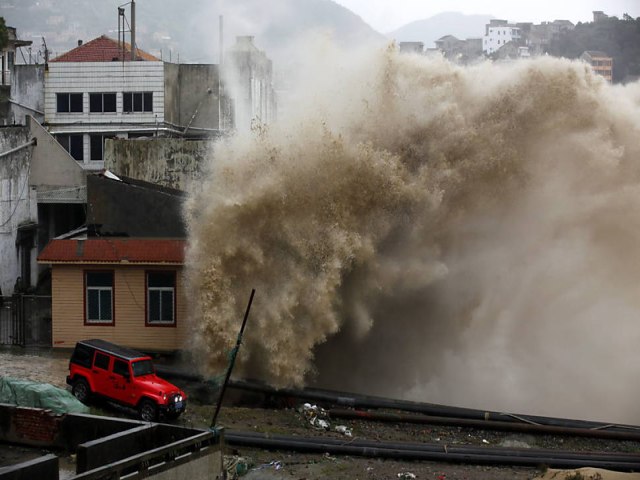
column 100, row 374
column 122, row 384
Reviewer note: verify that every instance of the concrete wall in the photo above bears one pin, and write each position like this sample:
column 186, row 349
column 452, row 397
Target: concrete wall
column 170, row 162
column 43, row 468
column 134, row 208
column 171, row 93
column 181, row 452
column 18, row 204
column 129, row 312
column 27, row 93
column 52, row 166
column 199, row 96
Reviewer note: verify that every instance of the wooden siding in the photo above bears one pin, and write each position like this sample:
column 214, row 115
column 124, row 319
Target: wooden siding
column 104, row 77
column 129, row 309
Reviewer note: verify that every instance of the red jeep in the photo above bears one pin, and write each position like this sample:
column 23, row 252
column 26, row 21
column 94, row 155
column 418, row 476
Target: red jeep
column 125, row 376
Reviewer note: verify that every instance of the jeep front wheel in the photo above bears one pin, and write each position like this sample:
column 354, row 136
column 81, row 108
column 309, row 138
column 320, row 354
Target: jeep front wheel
column 81, row 390
column 148, row 410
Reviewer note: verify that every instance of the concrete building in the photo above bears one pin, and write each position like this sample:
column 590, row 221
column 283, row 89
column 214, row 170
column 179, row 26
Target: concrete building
column 412, row 47
column 42, row 194
column 459, row 51
column 600, row 62
column 248, row 78
column 7, row 73
column 95, row 92
column 497, row 34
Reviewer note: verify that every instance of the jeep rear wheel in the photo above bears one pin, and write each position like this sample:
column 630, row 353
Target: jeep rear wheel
column 148, row 410
column 81, row 390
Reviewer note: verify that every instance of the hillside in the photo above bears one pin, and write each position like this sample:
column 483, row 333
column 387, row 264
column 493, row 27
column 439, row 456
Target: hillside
column 448, row 23
column 618, row 38
column 185, row 30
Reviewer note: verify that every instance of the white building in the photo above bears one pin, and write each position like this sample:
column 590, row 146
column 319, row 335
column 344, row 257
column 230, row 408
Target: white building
column 497, row 34
column 96, row 91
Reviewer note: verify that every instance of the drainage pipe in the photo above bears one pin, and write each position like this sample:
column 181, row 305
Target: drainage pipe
column 17, row 149
column 483, row 424
column 430, row 452
column 329, row 397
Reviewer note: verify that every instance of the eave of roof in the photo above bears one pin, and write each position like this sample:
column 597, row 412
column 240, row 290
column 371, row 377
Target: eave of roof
column 103, row 49
column 114, row 251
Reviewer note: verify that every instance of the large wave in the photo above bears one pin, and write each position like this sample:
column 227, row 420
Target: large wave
column 468, row 235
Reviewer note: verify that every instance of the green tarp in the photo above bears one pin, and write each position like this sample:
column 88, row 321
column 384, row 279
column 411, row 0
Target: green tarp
column 26, row 393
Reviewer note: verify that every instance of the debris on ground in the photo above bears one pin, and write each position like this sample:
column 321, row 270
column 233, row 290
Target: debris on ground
column 406, row 476
column 343, row 429
column 236, row 466
column 587, row 473
column 316, row 416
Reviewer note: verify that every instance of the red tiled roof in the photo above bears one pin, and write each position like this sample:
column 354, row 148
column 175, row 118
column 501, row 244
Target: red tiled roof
column 114, row 250
column 102, row 49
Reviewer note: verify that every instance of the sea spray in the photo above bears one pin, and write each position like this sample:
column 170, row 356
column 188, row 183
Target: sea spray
column 418, row 229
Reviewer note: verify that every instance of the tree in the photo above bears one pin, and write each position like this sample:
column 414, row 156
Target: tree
column 4, row 34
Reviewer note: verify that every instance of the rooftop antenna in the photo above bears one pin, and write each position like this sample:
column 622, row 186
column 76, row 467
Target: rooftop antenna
column 133, row 30
column 121, row 31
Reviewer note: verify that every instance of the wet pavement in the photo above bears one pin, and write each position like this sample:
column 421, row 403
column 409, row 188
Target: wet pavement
column 46, row 365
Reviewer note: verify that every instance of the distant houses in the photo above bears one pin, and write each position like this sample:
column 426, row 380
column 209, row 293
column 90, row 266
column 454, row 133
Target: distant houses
column 503, row 40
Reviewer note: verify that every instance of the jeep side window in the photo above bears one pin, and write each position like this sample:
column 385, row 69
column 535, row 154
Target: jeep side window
column 82, row 356
column 101, row 361
column 121, row 368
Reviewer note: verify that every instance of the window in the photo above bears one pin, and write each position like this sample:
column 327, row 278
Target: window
column 142, row 367
column 99, row 297
column 137, row 102
column 82, row 355
column 97, row 147
column 74, row 144
column 101, row 361
column 120, row 368
column 69, row 102
column 102, row 102
column 161, row 288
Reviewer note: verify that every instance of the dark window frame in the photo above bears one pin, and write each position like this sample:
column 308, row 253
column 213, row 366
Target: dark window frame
column 101, row 355
column 93, row 146
column 73, row 144
column 100, row 101
column 149, row 290
column 137, row 102
column 112, row 289
column 69, row 102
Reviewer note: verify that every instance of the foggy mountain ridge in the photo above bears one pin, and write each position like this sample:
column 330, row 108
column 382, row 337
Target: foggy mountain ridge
column 430, row 29
column 168, row 29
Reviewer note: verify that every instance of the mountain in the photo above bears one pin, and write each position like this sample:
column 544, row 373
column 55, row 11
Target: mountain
column 188, row 30
column 448, row 23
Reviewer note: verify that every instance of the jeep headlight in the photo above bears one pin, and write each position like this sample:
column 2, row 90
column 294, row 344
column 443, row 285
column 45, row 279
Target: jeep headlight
column 164, row 396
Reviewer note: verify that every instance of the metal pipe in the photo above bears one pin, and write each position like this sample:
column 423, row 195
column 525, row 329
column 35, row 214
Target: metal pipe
column 482, row 424
column 232, row 360
column 133, row 30
column 26, row 106
column 17, row 149
column 431, row 452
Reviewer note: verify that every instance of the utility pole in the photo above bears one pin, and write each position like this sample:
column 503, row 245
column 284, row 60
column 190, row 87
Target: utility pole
column 133, row 30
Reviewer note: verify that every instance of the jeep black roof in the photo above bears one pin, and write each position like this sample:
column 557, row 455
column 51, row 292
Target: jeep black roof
column 117, row 350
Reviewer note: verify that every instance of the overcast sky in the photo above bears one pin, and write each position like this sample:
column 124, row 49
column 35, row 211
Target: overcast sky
column 387, row 15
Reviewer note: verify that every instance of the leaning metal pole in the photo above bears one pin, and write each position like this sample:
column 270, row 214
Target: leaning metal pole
column 232, row 360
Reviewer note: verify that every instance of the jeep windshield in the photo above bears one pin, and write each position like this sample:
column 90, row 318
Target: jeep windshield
column 142, row 367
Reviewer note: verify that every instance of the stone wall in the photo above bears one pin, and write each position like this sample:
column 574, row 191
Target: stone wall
column 170, row 162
